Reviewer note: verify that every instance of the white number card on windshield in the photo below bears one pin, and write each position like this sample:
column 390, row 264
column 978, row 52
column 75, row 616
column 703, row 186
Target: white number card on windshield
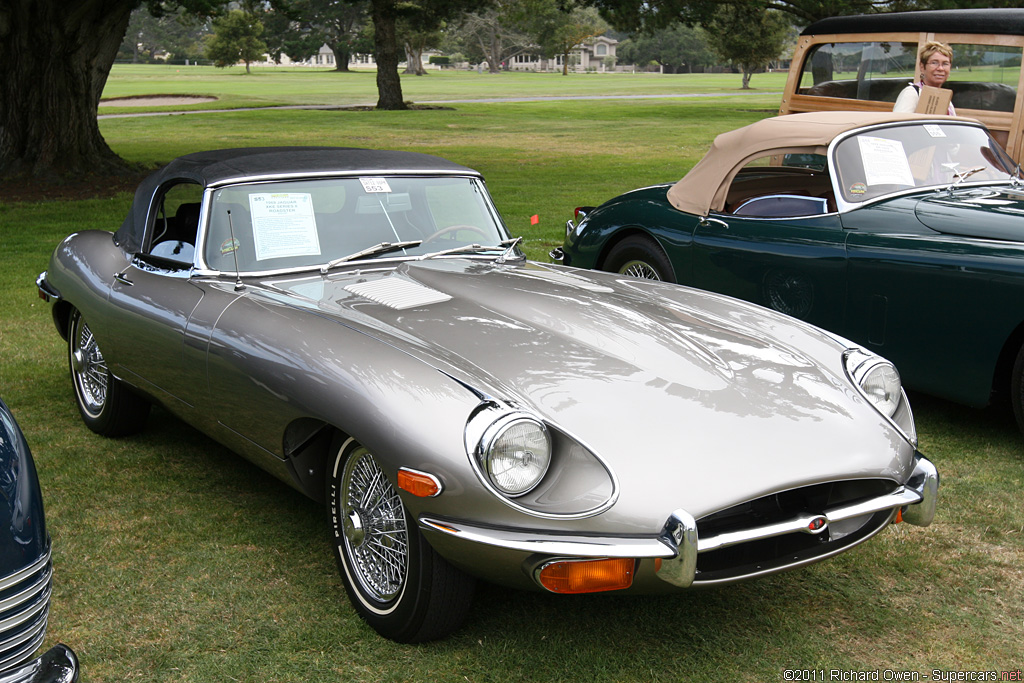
column 375, row 184
column 283, row 224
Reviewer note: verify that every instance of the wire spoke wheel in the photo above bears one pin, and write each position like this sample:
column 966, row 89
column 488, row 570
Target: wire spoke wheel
column 397, row 583
column 106, row 405
column 641, row 257
column 375, row 532
column 88, row 368
column 640, row 269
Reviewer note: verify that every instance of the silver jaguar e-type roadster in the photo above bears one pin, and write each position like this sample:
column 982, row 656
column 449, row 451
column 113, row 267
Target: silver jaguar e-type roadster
column 360, row 324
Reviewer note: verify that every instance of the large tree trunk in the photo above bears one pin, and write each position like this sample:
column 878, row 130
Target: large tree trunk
column 385, row 46
column 56, row 57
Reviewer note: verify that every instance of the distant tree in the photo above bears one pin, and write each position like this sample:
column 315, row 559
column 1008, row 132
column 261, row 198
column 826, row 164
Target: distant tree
column 236, row 38
column 558, row 29
column 495, row 34
column 416, row 40
column 427, row 15
column 749, row 38
column 676, row 49
column 300, row 31
column 178, row 36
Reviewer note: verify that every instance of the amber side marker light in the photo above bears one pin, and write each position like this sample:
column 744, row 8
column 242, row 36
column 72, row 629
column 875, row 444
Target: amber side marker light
column 587, row 576
column 418, row 484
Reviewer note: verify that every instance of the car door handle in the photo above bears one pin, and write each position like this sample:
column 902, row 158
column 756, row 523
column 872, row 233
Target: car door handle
column 706, row 222
column 123, row 279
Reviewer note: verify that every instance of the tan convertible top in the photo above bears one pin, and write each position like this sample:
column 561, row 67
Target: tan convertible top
column 706, row 185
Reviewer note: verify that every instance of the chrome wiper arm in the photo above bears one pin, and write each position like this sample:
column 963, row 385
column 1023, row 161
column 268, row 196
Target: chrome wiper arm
column 382, row 248
column 457, row 250
column 960, row 175
column 510, row 247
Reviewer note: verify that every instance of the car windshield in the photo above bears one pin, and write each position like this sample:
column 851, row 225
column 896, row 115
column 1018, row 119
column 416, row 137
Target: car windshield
column 881, row 161
column 259, row 227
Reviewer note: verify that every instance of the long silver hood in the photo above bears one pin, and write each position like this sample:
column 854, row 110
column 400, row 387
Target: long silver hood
column 700, row 387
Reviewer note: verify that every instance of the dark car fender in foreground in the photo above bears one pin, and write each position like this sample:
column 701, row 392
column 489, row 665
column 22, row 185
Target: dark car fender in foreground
column 25, row 568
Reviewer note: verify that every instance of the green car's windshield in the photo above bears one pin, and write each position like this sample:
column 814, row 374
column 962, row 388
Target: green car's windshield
column 259, row 227
column 902, row 157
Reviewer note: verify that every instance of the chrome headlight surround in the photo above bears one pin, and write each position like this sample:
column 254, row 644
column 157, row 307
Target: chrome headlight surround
column 878, row 381
column 515, row 453
column 571, row 482
column 876, row 378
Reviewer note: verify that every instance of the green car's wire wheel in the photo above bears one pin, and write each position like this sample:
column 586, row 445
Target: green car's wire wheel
column 641, row 257
column 789, row 292
column 397, row 583
column 640, row 269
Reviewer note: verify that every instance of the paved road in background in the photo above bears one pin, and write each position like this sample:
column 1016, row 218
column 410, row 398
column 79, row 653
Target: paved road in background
column 486, row 100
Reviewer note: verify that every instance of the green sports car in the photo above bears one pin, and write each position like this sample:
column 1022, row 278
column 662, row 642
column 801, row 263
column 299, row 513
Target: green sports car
column 898, row 231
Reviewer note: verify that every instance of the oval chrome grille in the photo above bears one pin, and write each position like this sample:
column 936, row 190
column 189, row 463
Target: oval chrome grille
column 795, row 544
column 24, row 607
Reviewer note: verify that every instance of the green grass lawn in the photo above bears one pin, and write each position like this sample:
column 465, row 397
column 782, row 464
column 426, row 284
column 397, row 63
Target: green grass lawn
column 267, row 86
column 179, row 561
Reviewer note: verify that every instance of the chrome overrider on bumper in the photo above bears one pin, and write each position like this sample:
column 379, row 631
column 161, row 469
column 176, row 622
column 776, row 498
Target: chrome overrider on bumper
column 57, row 665
column 678, row 544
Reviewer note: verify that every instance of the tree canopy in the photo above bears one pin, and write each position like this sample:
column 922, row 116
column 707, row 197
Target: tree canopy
column 677, row 48
column 495, row 34
column 236, row 38
column 749, row 38
column 300, row 30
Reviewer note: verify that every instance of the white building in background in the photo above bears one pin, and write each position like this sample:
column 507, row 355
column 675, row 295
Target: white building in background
column 325, row 58
column 597, row 54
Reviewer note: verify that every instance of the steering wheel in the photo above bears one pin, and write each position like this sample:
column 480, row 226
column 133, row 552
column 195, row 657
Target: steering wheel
column 455, row 228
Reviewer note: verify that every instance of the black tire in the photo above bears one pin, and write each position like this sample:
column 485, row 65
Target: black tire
column 1017, row 389
column 639, row 256
column 415, row 595
column 106, row 405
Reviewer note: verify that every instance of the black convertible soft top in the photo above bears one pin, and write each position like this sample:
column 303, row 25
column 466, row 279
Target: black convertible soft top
column 993, row 21
column 221, row 166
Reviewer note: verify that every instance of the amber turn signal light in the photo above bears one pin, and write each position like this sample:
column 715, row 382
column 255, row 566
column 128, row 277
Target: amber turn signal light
column 418, row 484
column 587, row 576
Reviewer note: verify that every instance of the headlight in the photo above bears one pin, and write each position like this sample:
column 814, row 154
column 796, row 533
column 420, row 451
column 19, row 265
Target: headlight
column 876, row 378
column 515, row 453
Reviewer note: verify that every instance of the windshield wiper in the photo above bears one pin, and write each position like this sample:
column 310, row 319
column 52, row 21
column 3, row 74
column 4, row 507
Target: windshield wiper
column 382, row 248
column 960, row 175
column 510, row 247
column 458, row 250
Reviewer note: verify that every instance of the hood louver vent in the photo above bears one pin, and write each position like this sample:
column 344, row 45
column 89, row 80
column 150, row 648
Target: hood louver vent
column 398, row 293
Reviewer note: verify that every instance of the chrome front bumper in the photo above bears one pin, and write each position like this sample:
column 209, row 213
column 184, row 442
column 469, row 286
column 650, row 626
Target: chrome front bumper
column 57, row 665
column 45, row 289
column 678, row 544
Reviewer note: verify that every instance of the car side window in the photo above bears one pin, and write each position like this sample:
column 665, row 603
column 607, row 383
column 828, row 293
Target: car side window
column 782, row 185
column 175, row 223
column 984, row 76
column 859, row 70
